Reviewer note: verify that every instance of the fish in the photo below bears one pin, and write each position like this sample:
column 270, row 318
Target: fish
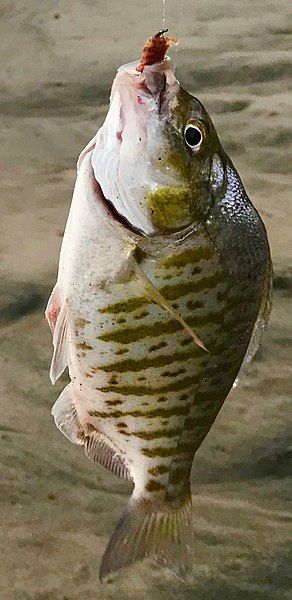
column 163, row 289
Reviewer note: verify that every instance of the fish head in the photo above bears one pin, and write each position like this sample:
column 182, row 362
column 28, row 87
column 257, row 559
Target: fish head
column 154, row 155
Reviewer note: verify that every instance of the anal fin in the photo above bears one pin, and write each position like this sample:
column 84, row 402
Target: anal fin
column 98, row 448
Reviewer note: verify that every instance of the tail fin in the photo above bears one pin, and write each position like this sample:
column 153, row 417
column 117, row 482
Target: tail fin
column 146, row 529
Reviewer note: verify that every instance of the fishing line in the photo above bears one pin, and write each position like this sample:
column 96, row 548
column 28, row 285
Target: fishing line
column 163, row 13
column 180, row 16
column 179, row 26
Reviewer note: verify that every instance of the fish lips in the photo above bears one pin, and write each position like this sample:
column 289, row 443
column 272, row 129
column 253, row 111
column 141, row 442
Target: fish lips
column 157, row 82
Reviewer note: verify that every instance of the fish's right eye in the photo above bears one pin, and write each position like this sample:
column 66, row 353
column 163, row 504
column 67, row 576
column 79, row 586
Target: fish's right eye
column 193, row 136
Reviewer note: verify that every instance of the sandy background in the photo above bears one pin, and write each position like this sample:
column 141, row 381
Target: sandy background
column 57, row 509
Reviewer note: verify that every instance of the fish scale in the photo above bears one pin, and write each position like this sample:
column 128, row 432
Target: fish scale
column 162, row 290
column 154, row 441
column 153, row 373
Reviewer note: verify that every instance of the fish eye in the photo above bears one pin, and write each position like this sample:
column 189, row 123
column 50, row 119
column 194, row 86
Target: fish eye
column 193, row 136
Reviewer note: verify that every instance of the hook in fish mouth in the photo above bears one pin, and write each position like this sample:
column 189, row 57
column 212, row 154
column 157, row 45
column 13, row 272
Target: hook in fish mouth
column 161, row 32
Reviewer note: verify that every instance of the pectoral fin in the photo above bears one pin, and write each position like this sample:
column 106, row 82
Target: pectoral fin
column 148, row 289
column 131, row 271
column 53, row 308
column 61, row 344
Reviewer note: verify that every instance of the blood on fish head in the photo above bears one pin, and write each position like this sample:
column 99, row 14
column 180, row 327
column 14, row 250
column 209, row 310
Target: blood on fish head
column 157, row 153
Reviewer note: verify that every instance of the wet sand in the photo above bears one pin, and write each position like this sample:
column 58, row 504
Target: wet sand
column 58, row 509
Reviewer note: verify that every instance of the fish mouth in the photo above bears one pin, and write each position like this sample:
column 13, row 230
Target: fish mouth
column 112, row 211
column 122, row 220
column 157, row 81
column 125, row 159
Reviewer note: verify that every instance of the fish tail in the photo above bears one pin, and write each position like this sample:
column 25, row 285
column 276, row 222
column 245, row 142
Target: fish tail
column 145, row 529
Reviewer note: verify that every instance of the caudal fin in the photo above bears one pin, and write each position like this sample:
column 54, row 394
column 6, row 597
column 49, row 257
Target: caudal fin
column 145, row 529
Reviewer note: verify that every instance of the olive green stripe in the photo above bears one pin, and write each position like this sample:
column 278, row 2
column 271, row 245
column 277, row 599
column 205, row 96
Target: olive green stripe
column 175, row 411
column 173, row 374
column 114, row 402
column 124, row 306
column 141, row 315
column 136, row 390
column 133, row 334
column 191, row 255
column 194, row 304
column 141, row 364
column 121, row 351
column 158, row 470
column 154, row 486
column 171, row 292
column 154, row 435
column 84, row 346
column 158, row 346
column 162, row 452
column 177, row 475
column 174, row 292
column 199, row 423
